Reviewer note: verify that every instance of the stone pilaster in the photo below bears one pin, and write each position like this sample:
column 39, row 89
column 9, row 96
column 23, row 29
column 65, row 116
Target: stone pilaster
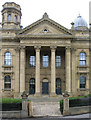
column 37, row 71
column 53, row 71
column 1, row 72
column 68, row 69
column 22, row 69
column 73, row 71
column 17, row 56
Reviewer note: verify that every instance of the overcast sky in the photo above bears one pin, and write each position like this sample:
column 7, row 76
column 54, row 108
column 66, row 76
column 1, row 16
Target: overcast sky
column 62, row 11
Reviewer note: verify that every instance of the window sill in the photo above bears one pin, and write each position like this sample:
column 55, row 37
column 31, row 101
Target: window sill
column 7, row 89
column 7, row 66
column 82, row 89
column 83, row 66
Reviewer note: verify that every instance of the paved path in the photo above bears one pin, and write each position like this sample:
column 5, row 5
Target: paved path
column 76, row 117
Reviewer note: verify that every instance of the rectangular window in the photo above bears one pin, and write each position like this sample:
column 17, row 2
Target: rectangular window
column 45, row 61
column 58, row 61
column 82, row 82
column 32, row 61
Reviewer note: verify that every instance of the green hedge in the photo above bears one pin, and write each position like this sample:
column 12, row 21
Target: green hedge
column 10, row 100
column 76, row 101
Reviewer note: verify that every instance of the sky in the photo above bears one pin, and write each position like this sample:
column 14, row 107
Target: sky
column 63, row 12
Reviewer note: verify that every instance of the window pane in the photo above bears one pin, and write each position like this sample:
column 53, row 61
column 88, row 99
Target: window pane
column 7, row 82
column 9, row 17
column 32, row 61
column 82, row 59
column 7, row 58
column 15, row 18
column 82, row 82
column 58, row 61
column 45, row 61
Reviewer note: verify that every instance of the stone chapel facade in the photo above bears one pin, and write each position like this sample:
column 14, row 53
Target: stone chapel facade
column 43, row 58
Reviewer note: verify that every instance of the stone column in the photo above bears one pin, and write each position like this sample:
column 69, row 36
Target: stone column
column 68, row 69
column 53, row 72
column 73, row 71
column 22, row 69
column 17, row 58
column 37, row 71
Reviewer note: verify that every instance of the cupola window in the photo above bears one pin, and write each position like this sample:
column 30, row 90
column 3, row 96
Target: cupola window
column 9, row 17
column 15, row 18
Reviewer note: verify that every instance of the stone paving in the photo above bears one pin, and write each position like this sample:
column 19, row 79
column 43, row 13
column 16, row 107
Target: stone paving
column 76, row 117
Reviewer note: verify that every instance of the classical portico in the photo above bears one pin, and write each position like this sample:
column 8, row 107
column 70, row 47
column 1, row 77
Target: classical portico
column 45, row 43
column 45, row 76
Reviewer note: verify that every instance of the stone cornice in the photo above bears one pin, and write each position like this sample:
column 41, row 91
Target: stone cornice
column 49, row 36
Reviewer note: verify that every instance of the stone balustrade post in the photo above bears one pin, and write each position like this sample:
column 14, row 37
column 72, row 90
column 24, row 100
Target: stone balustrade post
column 66, row 104
column 24, row 104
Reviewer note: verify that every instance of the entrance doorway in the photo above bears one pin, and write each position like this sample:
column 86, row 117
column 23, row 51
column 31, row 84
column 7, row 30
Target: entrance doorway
column 58, row 86
column 45, row 87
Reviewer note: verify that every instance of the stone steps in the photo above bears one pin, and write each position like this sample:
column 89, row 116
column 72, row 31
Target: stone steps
column 45, row 99
column 46, row 109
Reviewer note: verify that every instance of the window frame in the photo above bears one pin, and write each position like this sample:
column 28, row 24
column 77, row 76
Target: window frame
column 6, row 82
column 58, row 61
column 32, row 61
column 9, row 17
column 7, row 58
column 45, row 61
column 82, row 84
column 15, row 18
column 82, row 59
column 32, row 85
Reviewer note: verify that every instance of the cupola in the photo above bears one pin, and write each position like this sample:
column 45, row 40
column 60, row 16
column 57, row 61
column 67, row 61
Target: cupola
column 80, row 23
column 11, row 16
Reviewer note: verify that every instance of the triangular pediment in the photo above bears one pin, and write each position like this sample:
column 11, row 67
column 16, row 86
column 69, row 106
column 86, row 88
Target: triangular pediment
column 45, row 26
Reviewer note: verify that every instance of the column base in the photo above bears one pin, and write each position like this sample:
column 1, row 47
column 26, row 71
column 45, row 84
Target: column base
column 37, row 95
column 53, row 95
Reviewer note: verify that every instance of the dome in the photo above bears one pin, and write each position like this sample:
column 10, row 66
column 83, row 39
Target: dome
column 80, row 22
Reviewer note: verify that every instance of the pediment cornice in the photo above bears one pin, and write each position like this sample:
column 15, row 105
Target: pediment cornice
column 48, row 20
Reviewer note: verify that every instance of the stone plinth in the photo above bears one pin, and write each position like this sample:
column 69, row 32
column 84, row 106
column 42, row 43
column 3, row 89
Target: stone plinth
column 66, row 104
column 24, row 104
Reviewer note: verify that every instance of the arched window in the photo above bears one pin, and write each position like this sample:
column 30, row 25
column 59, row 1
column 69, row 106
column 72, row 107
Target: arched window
column 45, row 61
column 15, row 18
column 7, row 58
column 9, row 17
column 58, row 86
column 58, row 61
column 7, row 82
column 82, row 59
column 32, row 86
column 82, row 82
